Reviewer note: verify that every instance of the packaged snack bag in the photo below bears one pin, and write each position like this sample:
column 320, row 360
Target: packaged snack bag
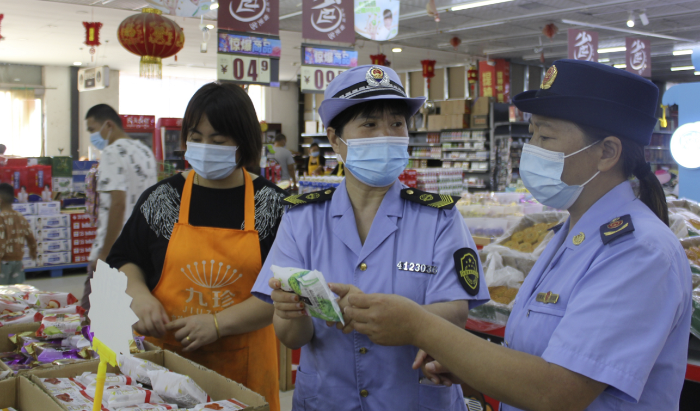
column 87, row 378
column 11, row 304
column 137, row 368
column 60, row 384
column 149, row 406
column 59, row 326
column 118, row 396
column 230, row 404
column 20, row 317
column 71, row 309
column 177, row 388
column 313, row 290
column 44, row 299
column 76, row 341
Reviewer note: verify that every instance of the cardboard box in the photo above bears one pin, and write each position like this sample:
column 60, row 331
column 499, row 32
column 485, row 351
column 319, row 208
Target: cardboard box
column 217, row 386
column 62, row 184
column 49, row 208
column 28, row 262
column 83, row 242
column 55, row 246
column 26, row 208
column 481, row 106
column 64, row 257
column 7, row 346
column 81, row 258
column 39, row 180
column 81, row 225
column 51, row 234
column 62, row 166
column 56, row 221
column 22, row 394
column 479, row 121
column 89, row 233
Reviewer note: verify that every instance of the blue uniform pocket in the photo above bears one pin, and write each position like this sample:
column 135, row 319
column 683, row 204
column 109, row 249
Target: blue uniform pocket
column 437, row 398
column 305, row 392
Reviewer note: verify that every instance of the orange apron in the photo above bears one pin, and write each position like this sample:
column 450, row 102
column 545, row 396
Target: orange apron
column 207, row 270
column 313, row 165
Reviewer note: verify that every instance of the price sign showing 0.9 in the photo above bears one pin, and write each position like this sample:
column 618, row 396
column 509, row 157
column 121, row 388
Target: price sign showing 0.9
column 244, row 69
column 316, row 79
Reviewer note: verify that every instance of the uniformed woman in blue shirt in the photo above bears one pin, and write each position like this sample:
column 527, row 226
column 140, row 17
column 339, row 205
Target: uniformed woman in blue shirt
column 602, row 319
column 375, row 236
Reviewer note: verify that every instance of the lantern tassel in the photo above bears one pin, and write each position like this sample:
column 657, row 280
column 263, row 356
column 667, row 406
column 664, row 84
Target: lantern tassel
column 151, row 67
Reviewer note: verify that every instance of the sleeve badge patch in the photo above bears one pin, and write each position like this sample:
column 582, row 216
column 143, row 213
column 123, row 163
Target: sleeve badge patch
column 467, row 267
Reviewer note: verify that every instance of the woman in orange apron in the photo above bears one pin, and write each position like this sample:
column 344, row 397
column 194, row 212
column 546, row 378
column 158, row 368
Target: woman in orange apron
column 317, row 163
column 195, row 244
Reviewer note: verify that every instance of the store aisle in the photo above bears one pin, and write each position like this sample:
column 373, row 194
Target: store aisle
column 74, row 285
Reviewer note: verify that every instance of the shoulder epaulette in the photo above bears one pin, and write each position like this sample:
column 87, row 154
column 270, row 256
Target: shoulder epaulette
column 443, row 201
column 616, row 228
column 308, row 198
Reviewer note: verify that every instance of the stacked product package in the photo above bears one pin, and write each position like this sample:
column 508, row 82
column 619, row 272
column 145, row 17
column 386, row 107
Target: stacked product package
column 142, row 385
column 440, row 180
column 83, row 233
column 51, row 230
column 309, row 184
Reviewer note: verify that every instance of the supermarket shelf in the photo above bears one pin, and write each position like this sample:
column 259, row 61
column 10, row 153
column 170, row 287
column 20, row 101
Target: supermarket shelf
column 424, row 158
column 464, row 149
column 511, row 123
column 477, row 186
column 55, row 270
column 314, row 135
column 476, row 171
column 320, row 145
column 657, row 148
column 424, row 144
column 464, row 159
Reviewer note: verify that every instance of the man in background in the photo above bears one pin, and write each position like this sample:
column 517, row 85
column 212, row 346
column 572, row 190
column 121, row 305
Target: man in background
column 285, row 159
column 127, row 168
column 15, row 232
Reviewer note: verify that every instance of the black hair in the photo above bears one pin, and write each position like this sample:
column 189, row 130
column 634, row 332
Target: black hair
column 314, row 145
column 367, row 109
column 635, row 164
column 387, row 14
column 102, row 113
column 7, row 193
column 280, row 137
column 2, row 149
column 231, row 113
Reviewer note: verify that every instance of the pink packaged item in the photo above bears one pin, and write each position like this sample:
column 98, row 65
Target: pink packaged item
column 119, row 396
column 60, row 385
column 11, row 304
column 148, row 406
column 230, row 404
column 59, row 326
column 20, row 317
column 88, row 378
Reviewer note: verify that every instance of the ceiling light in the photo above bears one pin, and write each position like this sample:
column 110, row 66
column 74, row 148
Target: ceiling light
column 681, row 68
column 210, row 26
column 697, row 73
column 77, row 63
column 214, row 5
column 396, row 50
column 630, row 20
column 682, row 52
column 620, row 66
column 475, row 4
column 606, row 60
column 611, row 50
column 644, row 19
column 21, row 39
column 623, row 30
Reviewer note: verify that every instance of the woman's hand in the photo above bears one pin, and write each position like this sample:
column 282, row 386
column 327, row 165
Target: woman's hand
column 343, row 291
column 287, row 305
column 194, row 331
column 387, row 319
column 433, row 370
column 152, row 315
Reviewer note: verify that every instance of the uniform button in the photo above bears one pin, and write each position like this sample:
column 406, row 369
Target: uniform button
column 363, row 350
column 363, row 267
column 409, row 192
column 364, row 393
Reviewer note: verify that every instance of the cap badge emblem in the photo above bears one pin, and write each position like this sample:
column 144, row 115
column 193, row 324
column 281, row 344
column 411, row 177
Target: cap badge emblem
column 616, row 222
column 578, row 238
column 549, row 78
column 376, row 77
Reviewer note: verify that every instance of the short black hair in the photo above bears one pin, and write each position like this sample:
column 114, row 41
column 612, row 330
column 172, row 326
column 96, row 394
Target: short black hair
column 387, row 14
column 231, row 113
column 280, row 137
column 368, row 109
column 7, row 193
column 2, row 149
column 104, row 112
column 314, row 145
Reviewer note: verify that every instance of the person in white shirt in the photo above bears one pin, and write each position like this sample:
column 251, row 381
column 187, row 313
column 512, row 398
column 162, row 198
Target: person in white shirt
column 127, row 168
column 285, row 159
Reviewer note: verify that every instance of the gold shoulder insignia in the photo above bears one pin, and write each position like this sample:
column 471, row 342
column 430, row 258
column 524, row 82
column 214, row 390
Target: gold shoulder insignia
column 429, row 199
column 616, row 228
column 308, row 198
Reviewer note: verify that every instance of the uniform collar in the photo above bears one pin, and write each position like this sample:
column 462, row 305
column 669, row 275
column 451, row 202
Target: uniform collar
column 340, row 203
column 605, row 209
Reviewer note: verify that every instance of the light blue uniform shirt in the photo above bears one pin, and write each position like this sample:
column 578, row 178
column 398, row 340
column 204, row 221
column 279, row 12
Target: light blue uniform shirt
column 336, row 367
column 623, row 314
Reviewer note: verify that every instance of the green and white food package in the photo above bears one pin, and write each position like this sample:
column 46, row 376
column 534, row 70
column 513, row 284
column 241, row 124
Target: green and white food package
column 178, row 389
column 137, row 368
column 311, row 287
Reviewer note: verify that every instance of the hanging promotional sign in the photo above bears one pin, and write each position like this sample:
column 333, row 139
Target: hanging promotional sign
column 638, row 56
column 320, row 65
column 328, row 20
column 246, row 59
column 494, row 80
column 182, row 8
column 583, row 45
column 260, row 16
column 377, row 19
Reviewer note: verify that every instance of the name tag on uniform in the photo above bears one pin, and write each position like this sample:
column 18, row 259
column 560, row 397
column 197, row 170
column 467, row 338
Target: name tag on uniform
column 547, row 298
column 416, row 267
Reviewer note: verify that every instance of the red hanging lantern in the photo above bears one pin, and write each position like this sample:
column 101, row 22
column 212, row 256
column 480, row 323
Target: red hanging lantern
column 428, row 69
column 153, row 37
column 92, row 36
column 472, row 75
column 1, row 17
column 455, row 42
column 550, row 30
column 378, row 59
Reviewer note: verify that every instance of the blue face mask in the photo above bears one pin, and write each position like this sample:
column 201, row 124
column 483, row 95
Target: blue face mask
column 211, row 161
column 541, row 172
column 377, row 161
column 97, row 140
column 315, row 153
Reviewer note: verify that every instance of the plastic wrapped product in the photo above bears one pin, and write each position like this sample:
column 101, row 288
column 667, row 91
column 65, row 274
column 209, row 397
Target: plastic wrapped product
column 49, row 299
column 87, row 378
column 71, row 309
column 59, row 384
column 71, row 398
column 137, row 368
column 23, row 338
column 76, row 341
column 230, row 404
column 148, row 406
column 12, row 358
column 177, row 388
column 311, row 287
column 59, row 326
column 11, row 304
column 48, row 354
column 20, row 317
column 118, row 396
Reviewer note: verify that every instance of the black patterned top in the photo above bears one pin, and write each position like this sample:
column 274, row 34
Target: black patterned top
column 145, row 237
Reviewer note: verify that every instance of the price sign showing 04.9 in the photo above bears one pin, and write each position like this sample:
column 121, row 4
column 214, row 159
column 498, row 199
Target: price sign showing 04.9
column 316, row 79
column 244, row 69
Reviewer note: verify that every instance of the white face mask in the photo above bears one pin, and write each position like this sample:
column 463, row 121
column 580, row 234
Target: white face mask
column 211, row 161
column 541, row 172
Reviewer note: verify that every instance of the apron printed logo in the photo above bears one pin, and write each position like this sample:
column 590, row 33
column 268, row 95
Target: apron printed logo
column 214, row 278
